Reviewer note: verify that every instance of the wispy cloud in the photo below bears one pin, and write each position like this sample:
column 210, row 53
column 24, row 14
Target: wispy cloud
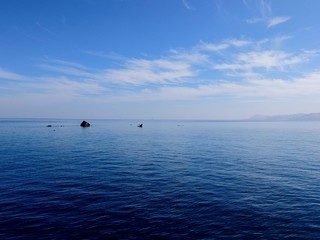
column 281, row 88
column 255, row 20
column 265, row 8
column 142, row 71
column 187, row 5
column 238, row 42
column 270, row 22
column 70, row 87
column 67, row 70
column 7, row 75
column 266, row 16
column 263, row 59
column 277, row 20
column 211, row 47
column 231, row 67
column 278, row 41
column 218, row 47
column 63, row 63
column 176, row 67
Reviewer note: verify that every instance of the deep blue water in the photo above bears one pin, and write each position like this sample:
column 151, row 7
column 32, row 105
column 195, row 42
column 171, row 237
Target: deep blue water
column 168, row 180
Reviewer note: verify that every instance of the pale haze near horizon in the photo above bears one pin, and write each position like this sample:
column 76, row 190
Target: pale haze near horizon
column 168, row 59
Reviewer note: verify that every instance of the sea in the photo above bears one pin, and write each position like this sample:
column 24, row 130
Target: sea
column 166, row 180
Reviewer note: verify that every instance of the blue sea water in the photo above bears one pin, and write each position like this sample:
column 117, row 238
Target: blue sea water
column 167, row 180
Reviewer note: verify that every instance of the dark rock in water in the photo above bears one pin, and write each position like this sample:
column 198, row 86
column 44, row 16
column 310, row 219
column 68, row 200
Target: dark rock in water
column 140, row 126
column 85, row 124
column 49, row 125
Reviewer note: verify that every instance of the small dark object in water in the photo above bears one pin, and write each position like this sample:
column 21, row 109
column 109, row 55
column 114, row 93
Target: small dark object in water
column 85, row 124
column 49, row 125
column 140, row 126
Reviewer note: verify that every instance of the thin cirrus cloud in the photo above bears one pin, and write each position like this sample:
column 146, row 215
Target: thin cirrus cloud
column 174, row 68
column 265, row 12
column 7, row 75
column 68, row 86
column 270, row 22
column 142, row 71
column 232, row 67
column 268, row 59
column 217, row 47
column 307, row 85
column 187, row 5
column 277, row 20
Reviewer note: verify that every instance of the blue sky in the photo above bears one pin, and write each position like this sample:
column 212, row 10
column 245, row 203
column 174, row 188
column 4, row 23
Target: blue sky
column 159, row 59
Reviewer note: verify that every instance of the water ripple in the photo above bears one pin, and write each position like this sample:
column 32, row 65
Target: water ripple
column 202, row 181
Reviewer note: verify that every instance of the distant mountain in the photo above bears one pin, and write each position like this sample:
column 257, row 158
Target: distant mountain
column 292, row 117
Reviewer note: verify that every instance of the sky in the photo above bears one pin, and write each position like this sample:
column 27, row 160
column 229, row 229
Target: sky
column 159, row 59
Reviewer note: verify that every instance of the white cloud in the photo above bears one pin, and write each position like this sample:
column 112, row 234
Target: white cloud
column 281, row 88
column 267, row 59
column 266, row 16
column 265, row 88
column 270, row 22
column 175, row 67
column 7, row 75
column 238, row 42
column 277, row 20
column 218, row 47
column 242, row 71
column 141, row 71
column 210, row 47
column 191, row 57
column 264, row 59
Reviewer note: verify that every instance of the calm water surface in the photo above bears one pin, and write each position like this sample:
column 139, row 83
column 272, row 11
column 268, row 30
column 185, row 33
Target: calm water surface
column 168, row 180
